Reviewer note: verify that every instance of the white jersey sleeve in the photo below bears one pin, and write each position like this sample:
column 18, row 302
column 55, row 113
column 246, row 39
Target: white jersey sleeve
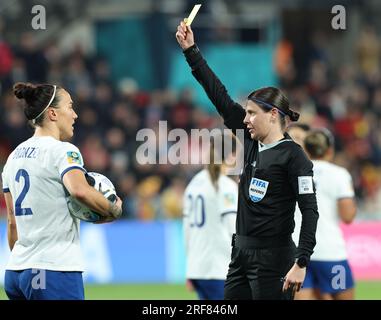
column 69, row 157
column 344, row 188
column 4, row 179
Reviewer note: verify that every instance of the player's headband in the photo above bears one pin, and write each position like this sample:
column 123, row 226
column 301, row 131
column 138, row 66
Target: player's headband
column 50, row 102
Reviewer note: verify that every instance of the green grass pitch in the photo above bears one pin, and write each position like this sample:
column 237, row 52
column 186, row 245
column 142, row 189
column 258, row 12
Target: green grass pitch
column 364, row 290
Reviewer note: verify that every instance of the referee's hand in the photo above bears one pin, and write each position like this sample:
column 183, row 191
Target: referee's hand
column 294, row 279
column 184, row 36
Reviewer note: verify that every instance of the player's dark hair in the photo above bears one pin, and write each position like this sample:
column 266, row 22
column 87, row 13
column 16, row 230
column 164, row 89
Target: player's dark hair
column 217, row 147
column 303, row 126
column 271, row 97
column 37, row 98
column 317, row 142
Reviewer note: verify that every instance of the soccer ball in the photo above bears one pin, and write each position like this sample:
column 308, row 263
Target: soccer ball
column 100, row 183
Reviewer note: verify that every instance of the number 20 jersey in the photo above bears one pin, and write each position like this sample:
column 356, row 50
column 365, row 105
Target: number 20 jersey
column 208, row 224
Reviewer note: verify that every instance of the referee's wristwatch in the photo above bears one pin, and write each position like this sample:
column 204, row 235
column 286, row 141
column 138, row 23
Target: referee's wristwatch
column 302, row 262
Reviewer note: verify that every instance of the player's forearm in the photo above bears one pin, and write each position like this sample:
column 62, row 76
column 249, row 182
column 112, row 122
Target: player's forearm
column 98, row 203
column 12, row 234
column 347, row 209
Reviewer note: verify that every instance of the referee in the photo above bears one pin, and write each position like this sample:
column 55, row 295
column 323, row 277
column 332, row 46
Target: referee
column 265, row 264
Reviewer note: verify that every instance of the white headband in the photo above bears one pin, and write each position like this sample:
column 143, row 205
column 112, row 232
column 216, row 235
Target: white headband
column 51, row 100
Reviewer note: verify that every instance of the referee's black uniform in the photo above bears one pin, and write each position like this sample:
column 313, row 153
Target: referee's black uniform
column 275, row 176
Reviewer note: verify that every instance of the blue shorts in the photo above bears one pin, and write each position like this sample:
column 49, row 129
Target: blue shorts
column 209, row 289
column 38, row 284
column 329, row 276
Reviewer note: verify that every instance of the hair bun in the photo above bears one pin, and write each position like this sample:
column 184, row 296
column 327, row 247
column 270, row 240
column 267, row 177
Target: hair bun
column 24, row 91
column 294, row 116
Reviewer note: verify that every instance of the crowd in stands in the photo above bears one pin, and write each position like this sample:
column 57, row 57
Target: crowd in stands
column 347, row 100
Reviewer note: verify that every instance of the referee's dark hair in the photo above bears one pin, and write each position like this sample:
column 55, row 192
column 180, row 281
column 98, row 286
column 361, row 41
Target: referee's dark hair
column 271, row 97
column 318, row 142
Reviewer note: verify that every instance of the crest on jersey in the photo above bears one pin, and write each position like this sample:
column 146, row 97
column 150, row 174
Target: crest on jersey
column 257, row 189
column 228, row 199
column 73, row 157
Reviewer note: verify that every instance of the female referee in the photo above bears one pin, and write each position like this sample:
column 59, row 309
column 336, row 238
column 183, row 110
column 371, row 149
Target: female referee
column 45, row 260
column 265, row 263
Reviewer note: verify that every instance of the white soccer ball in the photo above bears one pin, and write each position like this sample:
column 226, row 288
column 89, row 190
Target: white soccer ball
column 100, row 183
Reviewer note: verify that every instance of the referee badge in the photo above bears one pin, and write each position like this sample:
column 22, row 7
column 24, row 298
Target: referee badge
column 305, row 185
column 257, row 189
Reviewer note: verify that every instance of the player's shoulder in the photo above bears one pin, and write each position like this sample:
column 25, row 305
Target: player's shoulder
column 68, row 145
column 47, row 143
column 64, row 147
column 19, row 146
column 199, row 180
column 228, row 181
column 337, row 170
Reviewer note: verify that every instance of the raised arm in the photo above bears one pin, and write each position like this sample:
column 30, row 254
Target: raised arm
column 231, row 111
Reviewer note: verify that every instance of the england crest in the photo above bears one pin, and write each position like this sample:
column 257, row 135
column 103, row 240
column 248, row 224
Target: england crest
column 257, row 189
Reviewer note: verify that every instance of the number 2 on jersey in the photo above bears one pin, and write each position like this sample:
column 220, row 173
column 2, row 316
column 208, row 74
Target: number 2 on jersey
column 197, row 211
column 19, row 211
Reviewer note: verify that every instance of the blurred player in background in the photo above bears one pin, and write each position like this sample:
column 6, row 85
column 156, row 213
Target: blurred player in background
column 298, row 132
column 210, row 209
column 46, row 260
column 328, row 275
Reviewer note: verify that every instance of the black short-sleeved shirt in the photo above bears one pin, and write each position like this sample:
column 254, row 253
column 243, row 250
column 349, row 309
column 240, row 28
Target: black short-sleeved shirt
column 274, row 177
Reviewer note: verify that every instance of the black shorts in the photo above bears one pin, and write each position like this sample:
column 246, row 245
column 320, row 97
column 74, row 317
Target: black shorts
column 256, row 272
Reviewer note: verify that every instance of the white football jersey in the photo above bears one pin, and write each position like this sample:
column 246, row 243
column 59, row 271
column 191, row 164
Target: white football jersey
column 332, row 184
column 208, row 224
column 48, row 236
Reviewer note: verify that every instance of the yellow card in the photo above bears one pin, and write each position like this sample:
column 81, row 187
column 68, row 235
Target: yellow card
column 188, row 21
